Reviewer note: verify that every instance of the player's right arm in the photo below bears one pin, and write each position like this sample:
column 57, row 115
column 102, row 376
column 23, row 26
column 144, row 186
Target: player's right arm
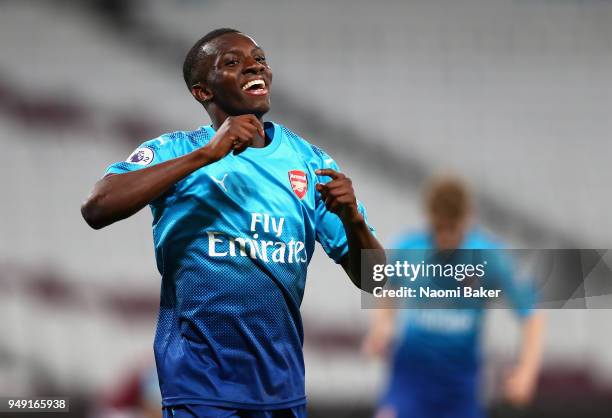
column 118, row 196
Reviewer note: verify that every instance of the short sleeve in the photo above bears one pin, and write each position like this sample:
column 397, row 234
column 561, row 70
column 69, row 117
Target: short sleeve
column 329, row 229
column 519, row 292
column 148, row 154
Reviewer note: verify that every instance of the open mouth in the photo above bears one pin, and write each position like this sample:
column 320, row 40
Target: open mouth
column 255, row 87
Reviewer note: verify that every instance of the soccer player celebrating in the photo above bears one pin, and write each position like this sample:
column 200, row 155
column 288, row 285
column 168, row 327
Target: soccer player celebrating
column 237, row 207
column 435, row 356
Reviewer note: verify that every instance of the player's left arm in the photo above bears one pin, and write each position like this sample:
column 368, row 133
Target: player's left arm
column 339, row 197
column 521, row 383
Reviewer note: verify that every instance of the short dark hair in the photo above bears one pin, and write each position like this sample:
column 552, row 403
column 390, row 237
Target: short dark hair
column 196, row 55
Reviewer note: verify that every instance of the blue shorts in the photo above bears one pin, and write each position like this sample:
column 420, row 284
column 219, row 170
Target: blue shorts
column 414, row 408
column 205, row 411
column 415, row 393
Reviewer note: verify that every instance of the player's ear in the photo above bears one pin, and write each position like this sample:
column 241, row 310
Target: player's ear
column 201, row 93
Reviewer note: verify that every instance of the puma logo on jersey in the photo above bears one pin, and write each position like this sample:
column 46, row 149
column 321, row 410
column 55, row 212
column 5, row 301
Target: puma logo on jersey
column 220, row 182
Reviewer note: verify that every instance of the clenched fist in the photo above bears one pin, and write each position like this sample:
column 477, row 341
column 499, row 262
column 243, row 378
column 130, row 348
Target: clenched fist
column 236, row 133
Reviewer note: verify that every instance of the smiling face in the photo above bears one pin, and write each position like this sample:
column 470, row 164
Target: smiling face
column 236, row 77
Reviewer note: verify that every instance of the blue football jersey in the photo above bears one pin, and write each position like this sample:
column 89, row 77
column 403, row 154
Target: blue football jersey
column 447, row 341
column 232, row 243
column 436, row 356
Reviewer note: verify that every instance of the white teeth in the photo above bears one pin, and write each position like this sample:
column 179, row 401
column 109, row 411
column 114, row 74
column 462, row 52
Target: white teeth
column 253, row 83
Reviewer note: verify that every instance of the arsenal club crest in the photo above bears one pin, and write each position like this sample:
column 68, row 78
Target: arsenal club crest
column 299, row 182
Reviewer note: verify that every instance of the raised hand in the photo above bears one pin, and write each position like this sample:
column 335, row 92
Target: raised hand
column 235, row 134
column 339, row 195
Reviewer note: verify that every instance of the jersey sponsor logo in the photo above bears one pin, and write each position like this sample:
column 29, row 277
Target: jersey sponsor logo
column 299, row 182
column 444, row 321
column 274, row 249
column 142, row 156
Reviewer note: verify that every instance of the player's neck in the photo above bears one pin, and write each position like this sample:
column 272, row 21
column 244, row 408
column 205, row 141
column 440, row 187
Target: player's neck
column 258, row 141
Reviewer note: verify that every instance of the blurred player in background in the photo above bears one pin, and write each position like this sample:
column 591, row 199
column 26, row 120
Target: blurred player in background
column 434, row 354
column 135, row 394
column 237, row 207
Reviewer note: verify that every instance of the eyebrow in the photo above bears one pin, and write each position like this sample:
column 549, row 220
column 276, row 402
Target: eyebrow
column 238, row 52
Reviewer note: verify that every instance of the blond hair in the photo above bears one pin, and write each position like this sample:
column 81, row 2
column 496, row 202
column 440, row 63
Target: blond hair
column 448, row 197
